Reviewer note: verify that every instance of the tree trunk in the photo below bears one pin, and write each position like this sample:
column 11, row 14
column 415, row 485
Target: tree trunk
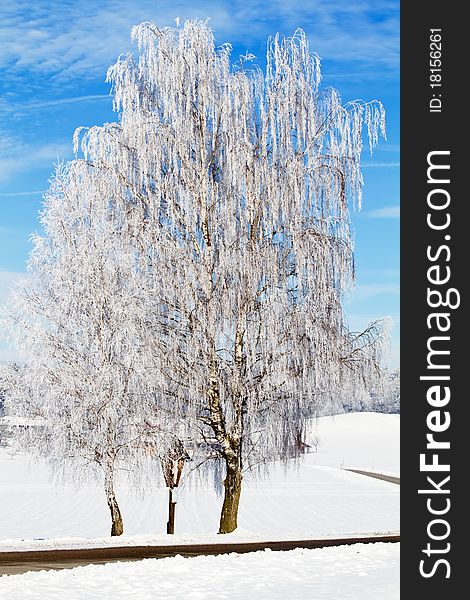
column 232, row 453
column 170, row 526
column 233, row 488
column 117, row 527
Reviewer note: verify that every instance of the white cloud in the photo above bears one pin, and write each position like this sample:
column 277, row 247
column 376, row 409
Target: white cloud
column 73, row 100
column 387, row 147
column 366, row 291
column 16, row 194
column 380, row 165
column 386, row 212
column 18, row 108
column 82, row 39
column 21, row 158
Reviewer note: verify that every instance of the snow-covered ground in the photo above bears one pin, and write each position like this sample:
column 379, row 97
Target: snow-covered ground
column 369, row 441
column 318, row 499
column 321, row 498
column 359, row 572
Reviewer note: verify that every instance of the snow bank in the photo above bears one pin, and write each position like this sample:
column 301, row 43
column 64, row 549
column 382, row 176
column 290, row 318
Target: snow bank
column 359, row 572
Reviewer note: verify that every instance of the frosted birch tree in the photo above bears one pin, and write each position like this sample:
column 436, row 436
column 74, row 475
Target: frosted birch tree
column 203, row 238
column 78, row 322
column 239, row 187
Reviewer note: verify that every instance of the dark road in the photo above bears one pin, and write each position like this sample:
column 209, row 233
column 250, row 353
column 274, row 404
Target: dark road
column 13, row 563
column 389, row 478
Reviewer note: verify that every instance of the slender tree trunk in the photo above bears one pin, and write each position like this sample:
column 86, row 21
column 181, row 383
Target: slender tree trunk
column 170, row 526
column 232, row 491
column 117, row 527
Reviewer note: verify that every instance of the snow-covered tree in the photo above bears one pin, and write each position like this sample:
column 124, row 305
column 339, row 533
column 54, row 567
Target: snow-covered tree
column 8, row 376
column 3, row 386
column 239, row 185
column 360, row 398
column 2, row 400
column 203, row 239
column 79, row 324
column 387, row 398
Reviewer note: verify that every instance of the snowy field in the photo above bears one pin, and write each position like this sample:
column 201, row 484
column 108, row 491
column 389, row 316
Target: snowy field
column 318, row 499
column 368, row 441
column 359, row 572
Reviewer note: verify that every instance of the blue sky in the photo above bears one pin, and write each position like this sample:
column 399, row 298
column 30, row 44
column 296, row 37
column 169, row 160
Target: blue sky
column 53, row 65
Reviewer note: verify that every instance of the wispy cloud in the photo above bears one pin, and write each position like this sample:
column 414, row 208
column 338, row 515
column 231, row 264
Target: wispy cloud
column 380, row 165
column 21, row 108
column 376, row 273
column 387, row 147
column 60, row 101
column 367, row 291
column 16, row 194
column 386, row 212
column 360, row 320
column 21, row 158
column 83, row 38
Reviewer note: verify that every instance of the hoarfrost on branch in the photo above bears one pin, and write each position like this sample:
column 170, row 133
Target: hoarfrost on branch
column 197, row 253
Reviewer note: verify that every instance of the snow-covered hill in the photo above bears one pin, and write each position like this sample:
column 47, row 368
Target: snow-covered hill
column 366, row 440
